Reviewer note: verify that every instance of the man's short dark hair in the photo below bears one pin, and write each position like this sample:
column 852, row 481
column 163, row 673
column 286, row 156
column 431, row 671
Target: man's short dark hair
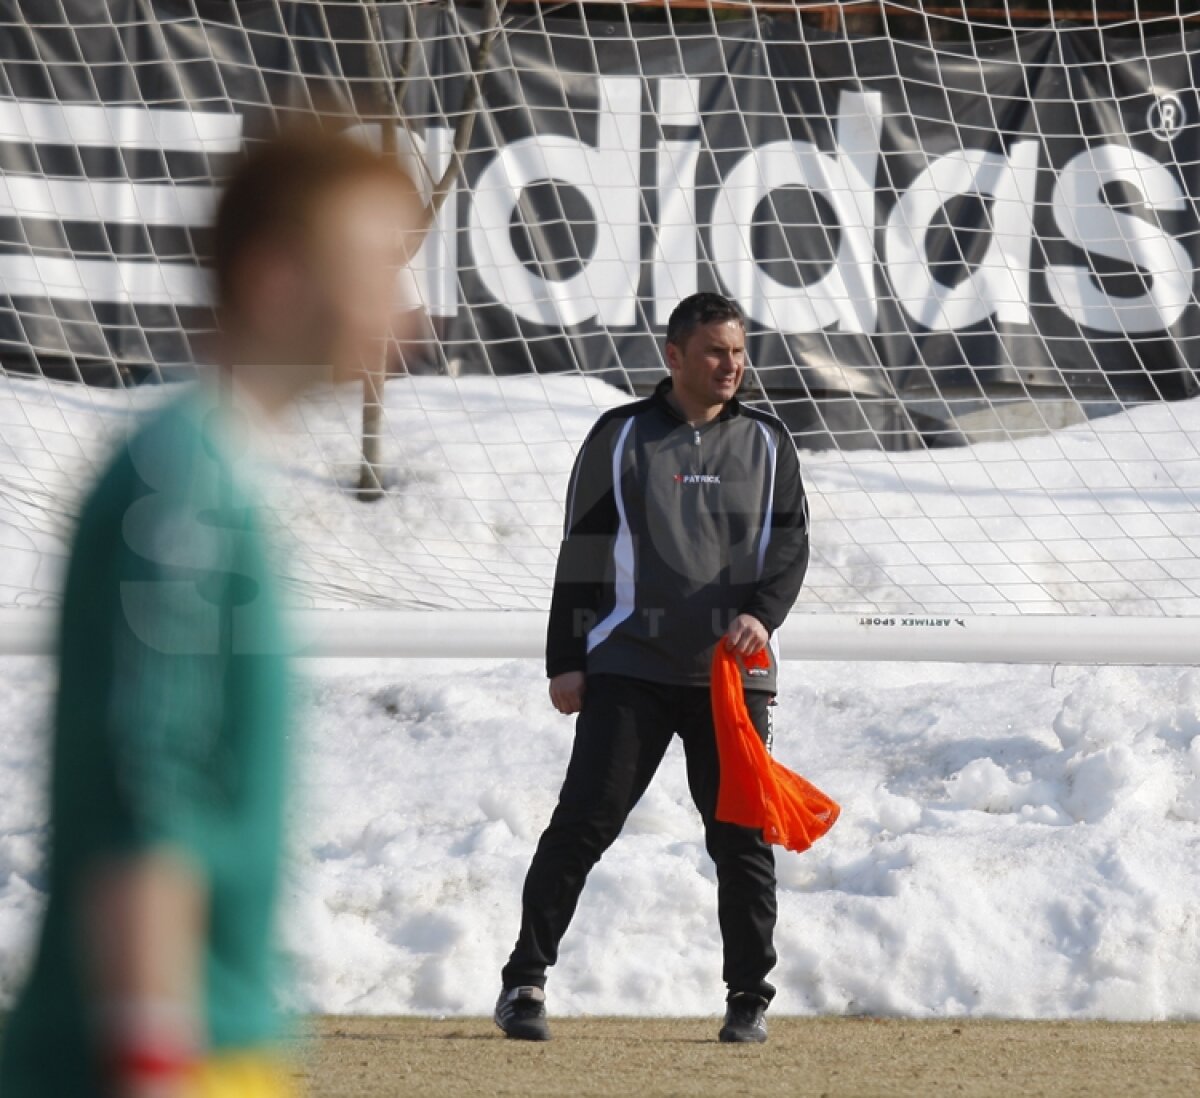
column 700, row 309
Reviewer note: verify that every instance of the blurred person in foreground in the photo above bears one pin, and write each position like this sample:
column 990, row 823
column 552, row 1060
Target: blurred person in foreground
column 154, row 974
column 686, row 527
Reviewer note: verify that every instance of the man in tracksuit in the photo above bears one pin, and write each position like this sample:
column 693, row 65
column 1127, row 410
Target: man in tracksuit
column 686, row 526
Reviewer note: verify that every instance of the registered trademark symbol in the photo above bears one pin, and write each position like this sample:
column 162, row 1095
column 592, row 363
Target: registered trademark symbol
column 1166, row 117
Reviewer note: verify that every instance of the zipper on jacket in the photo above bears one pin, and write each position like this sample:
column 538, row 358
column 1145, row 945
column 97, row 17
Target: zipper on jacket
column 696, row 435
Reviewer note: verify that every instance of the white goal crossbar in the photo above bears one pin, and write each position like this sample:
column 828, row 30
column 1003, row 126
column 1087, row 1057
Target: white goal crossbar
column 520, row 634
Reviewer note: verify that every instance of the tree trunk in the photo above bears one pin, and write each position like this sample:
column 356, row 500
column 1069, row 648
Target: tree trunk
column 370, row 477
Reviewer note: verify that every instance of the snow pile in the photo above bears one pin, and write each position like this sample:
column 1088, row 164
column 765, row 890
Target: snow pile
column 51, row 438
column 1014, row 841
column 25, row 698
column 1102, row 517
column 476, row 472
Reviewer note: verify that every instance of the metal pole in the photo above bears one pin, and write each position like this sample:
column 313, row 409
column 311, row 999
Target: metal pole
column 875, row 638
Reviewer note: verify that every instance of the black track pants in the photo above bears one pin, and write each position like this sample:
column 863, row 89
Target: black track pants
column 620, row 738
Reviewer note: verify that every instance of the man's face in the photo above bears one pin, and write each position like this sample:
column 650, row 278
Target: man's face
column 708, row 368
column 356, row 254
column 321, row 305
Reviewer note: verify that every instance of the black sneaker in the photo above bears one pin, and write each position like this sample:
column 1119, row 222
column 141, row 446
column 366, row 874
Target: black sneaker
column 521, row 1013
column 744, row 1019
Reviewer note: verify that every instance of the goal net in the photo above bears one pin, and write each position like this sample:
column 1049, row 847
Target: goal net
column 966, row 253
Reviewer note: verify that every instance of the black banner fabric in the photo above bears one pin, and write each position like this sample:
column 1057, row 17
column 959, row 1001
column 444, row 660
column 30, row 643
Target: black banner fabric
column 911, row 230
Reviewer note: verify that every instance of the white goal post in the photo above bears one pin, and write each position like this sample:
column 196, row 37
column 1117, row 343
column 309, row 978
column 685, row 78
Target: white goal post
column 967, row 254
column 517, row 634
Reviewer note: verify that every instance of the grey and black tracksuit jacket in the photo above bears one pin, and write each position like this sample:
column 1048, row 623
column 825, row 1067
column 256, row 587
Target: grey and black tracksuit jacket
column 671, row 532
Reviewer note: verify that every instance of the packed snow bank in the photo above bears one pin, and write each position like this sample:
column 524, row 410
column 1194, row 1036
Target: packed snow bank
column 1014, row 841
column 1103, row 517
column 476, row 470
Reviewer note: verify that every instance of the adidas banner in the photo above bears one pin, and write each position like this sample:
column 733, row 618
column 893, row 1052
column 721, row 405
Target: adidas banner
column 905, row 226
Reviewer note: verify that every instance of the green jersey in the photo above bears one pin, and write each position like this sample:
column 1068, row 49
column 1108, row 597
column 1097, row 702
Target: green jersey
column 169, row 733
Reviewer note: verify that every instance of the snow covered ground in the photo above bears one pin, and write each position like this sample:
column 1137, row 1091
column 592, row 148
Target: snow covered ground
column 1103, row 517
column 476, row 471
column 1015, row 841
